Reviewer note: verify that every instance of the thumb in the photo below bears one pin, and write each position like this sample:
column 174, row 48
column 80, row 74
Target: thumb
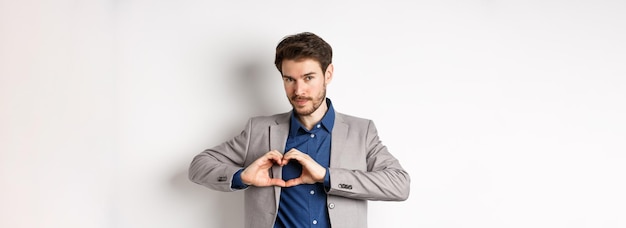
column 293, row 182
column 277, row 182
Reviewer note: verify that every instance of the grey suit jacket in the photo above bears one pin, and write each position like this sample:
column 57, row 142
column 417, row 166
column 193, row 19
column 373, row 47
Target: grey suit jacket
column 361, row 169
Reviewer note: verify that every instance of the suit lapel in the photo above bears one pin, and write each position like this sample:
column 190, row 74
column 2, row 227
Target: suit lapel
column 338, row 139
column 278, row 138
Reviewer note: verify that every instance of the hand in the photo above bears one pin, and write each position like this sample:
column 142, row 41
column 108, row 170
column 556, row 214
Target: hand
column 312, row 172
column 257, row 173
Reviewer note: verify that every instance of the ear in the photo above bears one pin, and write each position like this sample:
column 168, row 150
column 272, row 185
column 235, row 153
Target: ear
column 328, row 75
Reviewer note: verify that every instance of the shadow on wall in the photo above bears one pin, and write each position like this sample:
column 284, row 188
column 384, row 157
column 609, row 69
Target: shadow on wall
column 250, row 98
column 254, row 90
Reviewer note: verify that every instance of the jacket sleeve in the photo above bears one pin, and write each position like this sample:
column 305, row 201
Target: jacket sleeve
column 383, row 180
column 215, row 167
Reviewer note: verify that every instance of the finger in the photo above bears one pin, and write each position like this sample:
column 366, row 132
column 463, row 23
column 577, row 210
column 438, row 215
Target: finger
column 293, row 151
column 292, row 154
column 302, row 158
column 276, row 152
column 293, row 182
column 275, row 156
column 289, row 155
column 278, row 159
column 285, row 160
column 273, row 153
column 277, row 182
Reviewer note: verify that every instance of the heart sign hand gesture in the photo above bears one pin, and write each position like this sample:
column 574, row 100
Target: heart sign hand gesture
column 257, row 174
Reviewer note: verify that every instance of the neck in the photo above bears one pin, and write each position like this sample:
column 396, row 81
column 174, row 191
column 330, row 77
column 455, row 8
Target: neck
column 309, row 121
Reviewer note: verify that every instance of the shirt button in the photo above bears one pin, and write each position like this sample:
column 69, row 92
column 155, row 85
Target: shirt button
column 331, row 205
column 314, row 221
column 312, row 192
column 318, row 126
column 312, row 135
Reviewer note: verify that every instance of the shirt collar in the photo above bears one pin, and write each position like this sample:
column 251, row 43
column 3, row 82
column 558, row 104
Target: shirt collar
column 327, row 122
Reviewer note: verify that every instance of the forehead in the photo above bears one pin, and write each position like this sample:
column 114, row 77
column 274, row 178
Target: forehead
column 299, row 67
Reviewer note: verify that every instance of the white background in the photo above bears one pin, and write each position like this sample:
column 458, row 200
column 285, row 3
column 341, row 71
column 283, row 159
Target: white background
column 505, row 113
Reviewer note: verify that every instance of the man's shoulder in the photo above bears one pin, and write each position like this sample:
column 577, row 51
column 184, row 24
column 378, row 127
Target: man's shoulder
column 269, row 119
column 351, row 119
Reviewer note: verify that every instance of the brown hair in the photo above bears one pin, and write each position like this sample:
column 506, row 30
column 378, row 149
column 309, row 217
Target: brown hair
column 303, row 45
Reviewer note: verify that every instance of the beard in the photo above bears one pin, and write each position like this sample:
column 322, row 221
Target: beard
column 308, row 110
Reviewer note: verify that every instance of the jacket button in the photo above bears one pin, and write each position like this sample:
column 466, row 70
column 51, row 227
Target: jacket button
column 331, row 205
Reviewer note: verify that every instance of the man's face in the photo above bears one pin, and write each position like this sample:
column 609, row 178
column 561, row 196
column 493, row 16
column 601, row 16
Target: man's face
column 305, row 84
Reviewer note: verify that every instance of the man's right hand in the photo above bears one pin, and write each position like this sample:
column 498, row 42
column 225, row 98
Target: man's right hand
column 257, row 173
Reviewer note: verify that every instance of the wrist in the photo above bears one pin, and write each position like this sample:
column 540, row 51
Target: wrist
column 238, row 182
column 242, row 177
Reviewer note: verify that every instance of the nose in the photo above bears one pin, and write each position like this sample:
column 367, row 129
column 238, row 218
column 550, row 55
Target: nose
column 299, row 88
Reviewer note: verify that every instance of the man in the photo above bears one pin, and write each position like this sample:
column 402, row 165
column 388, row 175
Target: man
column 312, row 166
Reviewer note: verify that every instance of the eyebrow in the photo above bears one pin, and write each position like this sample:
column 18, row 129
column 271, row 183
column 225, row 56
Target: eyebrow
column 304, row 75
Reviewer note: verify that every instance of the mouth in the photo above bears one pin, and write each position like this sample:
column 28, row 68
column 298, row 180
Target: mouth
column 300, row 101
